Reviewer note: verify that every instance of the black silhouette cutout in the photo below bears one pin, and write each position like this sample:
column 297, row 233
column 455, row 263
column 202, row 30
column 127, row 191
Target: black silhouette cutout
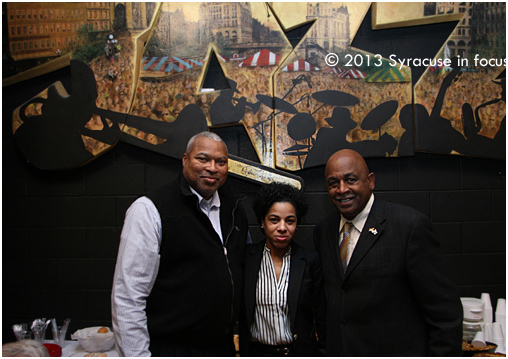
column 189, row 122
column 379, row 115
column 436, row 134
column 52, row 140
column 330, row 140
column 273, row 103
column 335, row 98
column 227, row 109
column 407, row 142
column 301, row 127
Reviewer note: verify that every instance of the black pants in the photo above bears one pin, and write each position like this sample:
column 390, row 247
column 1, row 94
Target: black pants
column 169, row 349
column 261, row 350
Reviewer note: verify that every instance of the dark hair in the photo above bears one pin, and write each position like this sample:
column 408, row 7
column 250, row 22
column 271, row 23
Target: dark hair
column 279, row 192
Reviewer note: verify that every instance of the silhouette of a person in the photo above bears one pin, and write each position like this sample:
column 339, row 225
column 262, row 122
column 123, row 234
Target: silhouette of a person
column 52, row 140
column 330, row 140
column 435, row 133
column 227, row 109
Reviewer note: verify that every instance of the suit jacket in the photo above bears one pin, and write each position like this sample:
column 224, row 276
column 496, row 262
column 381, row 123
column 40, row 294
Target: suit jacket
column 395, row 298
column 305, row 298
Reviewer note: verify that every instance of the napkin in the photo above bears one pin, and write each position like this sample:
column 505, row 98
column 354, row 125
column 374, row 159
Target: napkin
column 92, row 341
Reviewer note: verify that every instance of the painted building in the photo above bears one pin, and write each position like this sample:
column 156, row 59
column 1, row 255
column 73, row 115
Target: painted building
column 459, row 43
column 488, row 25
column 331, row 32
column 46, row 29
column 226, row 23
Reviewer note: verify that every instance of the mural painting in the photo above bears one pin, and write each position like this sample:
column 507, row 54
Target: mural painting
column 387, row 15
column 43, row 36
column 58, row 130
column 137, row 89
column 139, row 69
column 354, row 104
column 461, row 107
column 249, row 45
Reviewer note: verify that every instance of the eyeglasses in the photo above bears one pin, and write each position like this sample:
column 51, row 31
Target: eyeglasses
column 165, row 114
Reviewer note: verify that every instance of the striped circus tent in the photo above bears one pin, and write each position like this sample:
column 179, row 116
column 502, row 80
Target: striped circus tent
column 300, row 65
column 388, row 74
column 168, row 64
column 334, row 70
column 261, row 58
column 353, row 74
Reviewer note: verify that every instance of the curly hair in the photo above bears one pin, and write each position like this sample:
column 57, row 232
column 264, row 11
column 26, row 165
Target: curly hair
column 275, row 193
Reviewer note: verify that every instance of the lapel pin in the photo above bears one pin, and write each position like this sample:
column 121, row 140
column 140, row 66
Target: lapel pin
column 373, row 231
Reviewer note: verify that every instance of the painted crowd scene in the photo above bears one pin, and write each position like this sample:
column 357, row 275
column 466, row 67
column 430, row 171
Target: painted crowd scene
column 141, row 71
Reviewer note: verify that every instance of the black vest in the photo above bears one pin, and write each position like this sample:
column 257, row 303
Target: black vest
column 196, row 295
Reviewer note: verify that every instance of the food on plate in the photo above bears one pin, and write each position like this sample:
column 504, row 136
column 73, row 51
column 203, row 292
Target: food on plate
column 468, row 347
column 489, row 355
column 103, row 330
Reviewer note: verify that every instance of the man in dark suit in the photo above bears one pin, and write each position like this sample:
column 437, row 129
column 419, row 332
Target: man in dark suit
column 387, row 292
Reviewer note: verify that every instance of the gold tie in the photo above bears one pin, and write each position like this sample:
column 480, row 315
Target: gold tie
column 344, row 244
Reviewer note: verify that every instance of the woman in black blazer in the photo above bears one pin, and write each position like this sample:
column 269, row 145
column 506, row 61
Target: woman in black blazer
column 283, row 304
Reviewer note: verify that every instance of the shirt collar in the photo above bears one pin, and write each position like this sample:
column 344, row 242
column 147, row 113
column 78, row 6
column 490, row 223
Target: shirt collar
column 361, row 218
column 288, row 252
column 212, row 202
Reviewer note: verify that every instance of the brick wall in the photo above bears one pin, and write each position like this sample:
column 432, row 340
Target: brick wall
column 61, row 228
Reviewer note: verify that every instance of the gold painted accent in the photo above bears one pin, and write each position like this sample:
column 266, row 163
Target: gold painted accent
column 260, row 174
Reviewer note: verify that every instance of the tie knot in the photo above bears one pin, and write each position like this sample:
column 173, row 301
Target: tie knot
column 348, row 226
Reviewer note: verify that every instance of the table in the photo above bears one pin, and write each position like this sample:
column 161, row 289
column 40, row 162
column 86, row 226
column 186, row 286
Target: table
column 73, row 348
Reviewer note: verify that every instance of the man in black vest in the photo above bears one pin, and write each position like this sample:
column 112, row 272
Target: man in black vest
column 177, row 284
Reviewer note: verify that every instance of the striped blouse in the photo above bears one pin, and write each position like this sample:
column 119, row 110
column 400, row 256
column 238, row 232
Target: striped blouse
column 271, row 317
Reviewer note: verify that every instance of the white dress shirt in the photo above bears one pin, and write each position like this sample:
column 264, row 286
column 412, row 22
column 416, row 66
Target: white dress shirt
column 212, row 210
column 358, row 224
column 271, row 316
column 136, row 269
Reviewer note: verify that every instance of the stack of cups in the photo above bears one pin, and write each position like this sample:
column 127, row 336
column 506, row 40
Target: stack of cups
column 499, row 327
column 488, row 332
column 498, row 338
column 487, row 308
column 501, row 313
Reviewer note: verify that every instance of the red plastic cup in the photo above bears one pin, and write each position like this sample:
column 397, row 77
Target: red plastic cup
column 54, row 350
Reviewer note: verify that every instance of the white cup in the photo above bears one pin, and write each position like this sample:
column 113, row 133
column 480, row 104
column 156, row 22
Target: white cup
column 487, row 331
column 501, row 306
column 486, row 299
column 488, row 316
column 501, row 349
column 497, row 334
column 479, row 340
